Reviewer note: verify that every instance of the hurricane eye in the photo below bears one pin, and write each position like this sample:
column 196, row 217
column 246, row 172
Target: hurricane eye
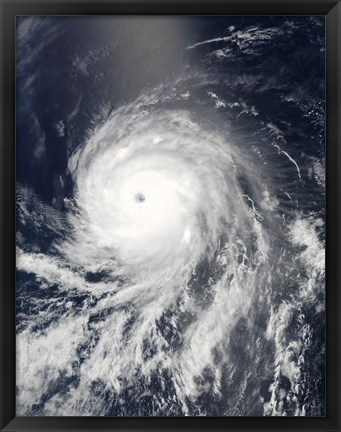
column 139, row 197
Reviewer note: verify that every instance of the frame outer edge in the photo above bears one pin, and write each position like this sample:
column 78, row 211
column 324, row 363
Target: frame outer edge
column 7, row 218
column 333, row 214
column 338, row 197
column 7, row 420
column 2, row 391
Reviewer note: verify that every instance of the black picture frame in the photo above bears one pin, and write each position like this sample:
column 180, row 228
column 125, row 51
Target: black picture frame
column 9, row 9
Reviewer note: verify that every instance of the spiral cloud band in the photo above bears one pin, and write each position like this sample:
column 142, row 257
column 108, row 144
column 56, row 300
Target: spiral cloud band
column 158, row 196
column 154, row 200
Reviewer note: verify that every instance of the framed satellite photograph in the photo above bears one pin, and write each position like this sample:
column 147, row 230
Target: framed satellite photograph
column 170, row 215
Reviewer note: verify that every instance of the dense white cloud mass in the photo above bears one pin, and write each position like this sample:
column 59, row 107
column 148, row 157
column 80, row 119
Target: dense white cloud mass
column 159, row 208
column 156, row 195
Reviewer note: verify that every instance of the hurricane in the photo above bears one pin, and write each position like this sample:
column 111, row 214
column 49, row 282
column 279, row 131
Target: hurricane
column 182, row 271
